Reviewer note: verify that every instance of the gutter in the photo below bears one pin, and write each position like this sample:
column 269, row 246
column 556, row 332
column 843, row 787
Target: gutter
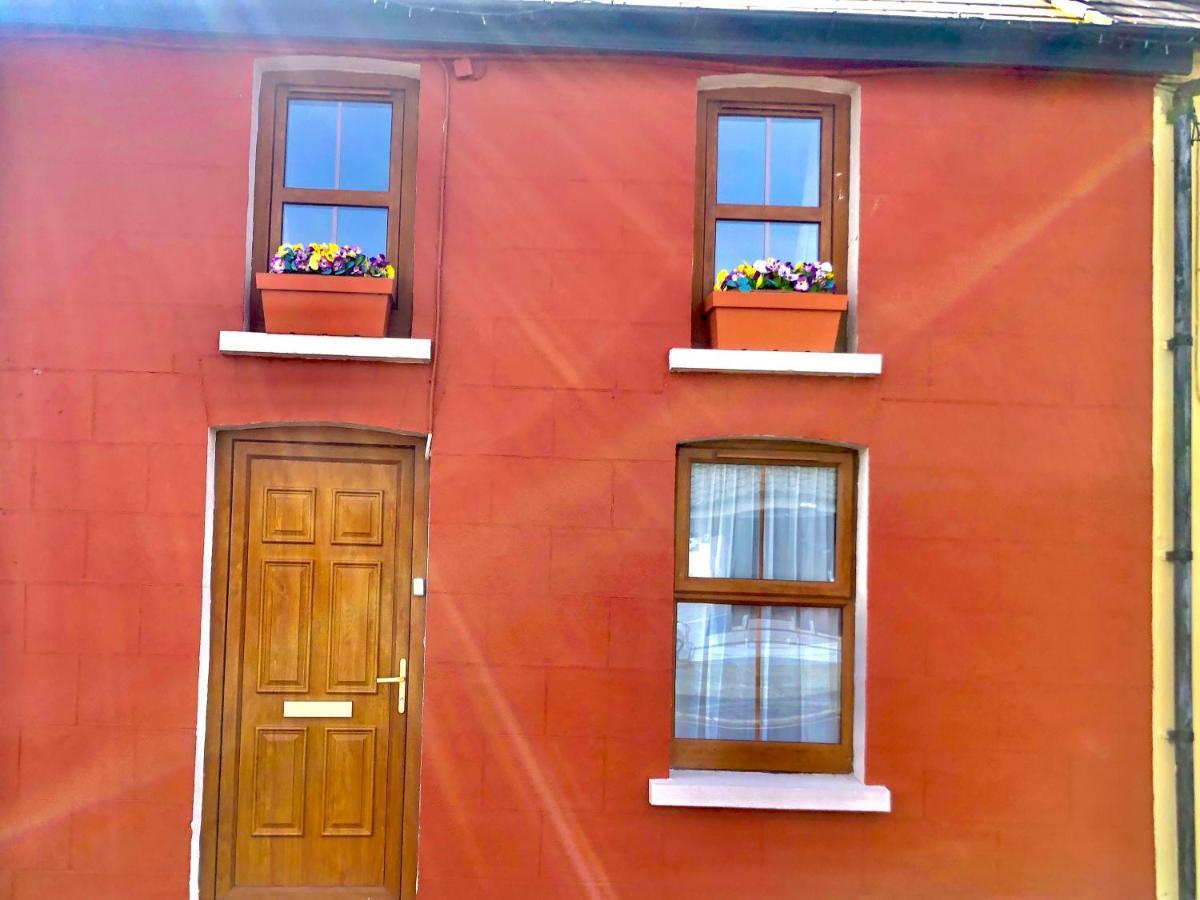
column 1183, row 116
column 1079, row 42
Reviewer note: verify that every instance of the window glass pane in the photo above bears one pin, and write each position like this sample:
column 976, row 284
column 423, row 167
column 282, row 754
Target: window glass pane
column 794, row 162
column 773, row 160
column 715, row 669
column 763, row 673
column 794, row 241
column 310, row 159
column 772, row 522
column 741, row 159
column 365, row 226
column 801, row 655
column 362, row 225
column 724, row 521
column 366, row 146
column 338, row 144
column 303, row 224
column 800, row 523
column 738, row 242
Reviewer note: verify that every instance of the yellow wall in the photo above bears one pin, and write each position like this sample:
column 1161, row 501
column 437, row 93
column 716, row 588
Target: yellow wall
column 1163, row 704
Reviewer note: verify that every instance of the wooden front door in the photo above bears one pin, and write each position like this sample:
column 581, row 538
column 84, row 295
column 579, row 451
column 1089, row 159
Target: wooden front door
column 314, row 693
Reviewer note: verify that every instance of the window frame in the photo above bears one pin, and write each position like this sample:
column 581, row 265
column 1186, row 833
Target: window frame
column 833, row 213
column 276, row 89
column 772, row 756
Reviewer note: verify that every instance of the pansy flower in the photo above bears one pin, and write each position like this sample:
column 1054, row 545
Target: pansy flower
column 771, row 274
column 329, row 259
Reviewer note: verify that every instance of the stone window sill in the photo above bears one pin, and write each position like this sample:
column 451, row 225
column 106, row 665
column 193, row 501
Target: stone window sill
column 769, row 790
column 775, row 362
column 325, row 346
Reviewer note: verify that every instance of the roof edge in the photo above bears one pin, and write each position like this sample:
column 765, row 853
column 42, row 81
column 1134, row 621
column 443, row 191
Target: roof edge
column 604, row 28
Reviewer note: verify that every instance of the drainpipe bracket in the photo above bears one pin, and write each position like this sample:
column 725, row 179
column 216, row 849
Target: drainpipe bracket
column 1179, row 340
column 1179, row 556
column 1181, row 737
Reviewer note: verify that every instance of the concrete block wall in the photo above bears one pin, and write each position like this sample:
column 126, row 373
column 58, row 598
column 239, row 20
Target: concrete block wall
column 1005, row 269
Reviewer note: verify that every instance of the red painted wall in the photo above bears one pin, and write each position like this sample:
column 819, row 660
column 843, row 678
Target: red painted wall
column 1005, row 271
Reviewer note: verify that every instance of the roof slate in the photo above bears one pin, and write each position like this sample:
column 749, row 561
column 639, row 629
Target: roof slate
column 1152, row 13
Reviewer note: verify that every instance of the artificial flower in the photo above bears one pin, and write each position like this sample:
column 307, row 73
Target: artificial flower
column 772, row 274
column 330, row 259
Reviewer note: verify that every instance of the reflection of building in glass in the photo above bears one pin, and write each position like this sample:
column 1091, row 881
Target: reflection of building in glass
column 758, row 673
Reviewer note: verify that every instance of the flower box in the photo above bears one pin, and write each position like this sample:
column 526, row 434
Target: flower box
column 775, row 320
column 325, row 304
column 773, row 304
column 327, row 289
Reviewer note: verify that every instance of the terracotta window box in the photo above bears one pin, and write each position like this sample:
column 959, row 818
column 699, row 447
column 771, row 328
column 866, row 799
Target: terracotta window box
column 325, row 304
column 775, row 320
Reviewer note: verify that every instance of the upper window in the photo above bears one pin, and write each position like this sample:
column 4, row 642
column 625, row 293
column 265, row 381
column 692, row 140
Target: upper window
column 336, row 153
column 764, row 608
column 773, row 175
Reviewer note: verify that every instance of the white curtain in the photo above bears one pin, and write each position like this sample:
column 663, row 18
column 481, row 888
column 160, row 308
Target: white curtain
column 799, row 522
column 724, row 521
column 801, row 675
column 714, row 674
column 768, row 673
column 799, row 526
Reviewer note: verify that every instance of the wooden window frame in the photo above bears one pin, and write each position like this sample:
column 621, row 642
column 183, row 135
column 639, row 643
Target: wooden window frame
column 399, row 199
column 772, row 756
column 833, row 211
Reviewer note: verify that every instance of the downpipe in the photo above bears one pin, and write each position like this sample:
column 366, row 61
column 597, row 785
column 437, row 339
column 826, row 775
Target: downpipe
column 1180, row 556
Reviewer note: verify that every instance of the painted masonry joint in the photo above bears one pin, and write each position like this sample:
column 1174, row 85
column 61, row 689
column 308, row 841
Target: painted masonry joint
column 1005, row 698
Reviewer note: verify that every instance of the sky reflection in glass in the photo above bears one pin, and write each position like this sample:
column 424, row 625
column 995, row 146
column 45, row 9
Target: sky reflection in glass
column 338, row 145
column 768, row 160
column 365, row 226
column 739, row 242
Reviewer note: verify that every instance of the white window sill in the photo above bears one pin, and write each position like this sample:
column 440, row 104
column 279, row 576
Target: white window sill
column 768, row 790
column 774, row 362
column 326, row 346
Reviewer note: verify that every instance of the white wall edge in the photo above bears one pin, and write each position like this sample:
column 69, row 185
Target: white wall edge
column 326, row 346
column 821, row 83
column 364, row 64
column 862, row 530
column 774, row 362
column 769, row 790
column 210, row 494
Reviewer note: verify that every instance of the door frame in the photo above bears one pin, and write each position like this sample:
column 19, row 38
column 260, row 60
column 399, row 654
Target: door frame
column 222, row 474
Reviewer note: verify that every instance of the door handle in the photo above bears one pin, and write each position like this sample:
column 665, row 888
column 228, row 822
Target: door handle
column 401, row 682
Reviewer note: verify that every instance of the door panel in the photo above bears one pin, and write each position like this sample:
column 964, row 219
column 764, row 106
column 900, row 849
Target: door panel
column 284, row 625
column 349, row 797
column 311, row 792
column 279, row 770
column 354, row 627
